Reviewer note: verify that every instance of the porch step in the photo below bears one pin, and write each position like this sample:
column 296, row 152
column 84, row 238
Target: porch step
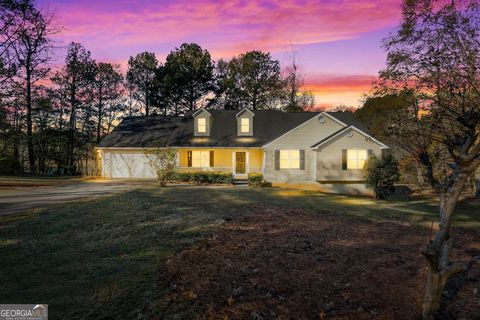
column 240, row 181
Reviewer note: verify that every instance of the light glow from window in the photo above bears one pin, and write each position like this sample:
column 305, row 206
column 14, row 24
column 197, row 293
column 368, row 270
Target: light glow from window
column 201, row 125
column 244, row 125
column 201, row 159
column 289, row 159
column 356, row 159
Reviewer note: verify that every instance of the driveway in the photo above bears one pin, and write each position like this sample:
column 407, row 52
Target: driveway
column 13, row 200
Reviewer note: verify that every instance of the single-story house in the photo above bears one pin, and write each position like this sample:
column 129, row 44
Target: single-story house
column 324, row 150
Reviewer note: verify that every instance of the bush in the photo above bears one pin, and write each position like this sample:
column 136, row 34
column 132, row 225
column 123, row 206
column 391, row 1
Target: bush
column 257, row 180
column 10, row 166
column 203, row 177
column 163, row 162
column 382, row 175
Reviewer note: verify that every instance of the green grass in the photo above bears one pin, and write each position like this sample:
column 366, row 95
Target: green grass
column 100, row 259
column 36, row 181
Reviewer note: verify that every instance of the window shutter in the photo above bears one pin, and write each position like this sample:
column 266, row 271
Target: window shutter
column 370, row 153
column 344, row 159
column 189, row 156
column 277, row 159
column 212, row 162
column 302, row 159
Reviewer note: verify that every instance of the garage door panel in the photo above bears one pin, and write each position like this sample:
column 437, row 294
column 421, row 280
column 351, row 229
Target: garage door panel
column 130, row 165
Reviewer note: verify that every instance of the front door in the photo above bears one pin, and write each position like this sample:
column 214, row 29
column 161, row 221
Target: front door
column 240, row 163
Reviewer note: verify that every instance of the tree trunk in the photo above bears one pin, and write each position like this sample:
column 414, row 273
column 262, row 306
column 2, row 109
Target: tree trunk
column 71, row 129
column 437, row 251
column 146, row 102
column 31, row 156
column 99, row 124
column 477, row 188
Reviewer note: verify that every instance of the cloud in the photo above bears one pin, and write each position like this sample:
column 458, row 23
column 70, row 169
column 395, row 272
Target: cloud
column 224, row 27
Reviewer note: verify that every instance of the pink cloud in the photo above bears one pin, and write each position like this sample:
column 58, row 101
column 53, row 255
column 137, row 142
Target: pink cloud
column 225, row 27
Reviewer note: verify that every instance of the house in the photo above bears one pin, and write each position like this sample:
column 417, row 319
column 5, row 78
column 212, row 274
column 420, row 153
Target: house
column 321, row 150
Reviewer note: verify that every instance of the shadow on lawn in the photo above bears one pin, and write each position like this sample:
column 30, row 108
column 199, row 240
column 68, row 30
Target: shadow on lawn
column 100, row 259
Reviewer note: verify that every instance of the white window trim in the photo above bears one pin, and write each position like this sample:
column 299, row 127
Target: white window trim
column 247, row 125
column 287, row 156
column 357, row 159
column 204, row 125
column 205, row 158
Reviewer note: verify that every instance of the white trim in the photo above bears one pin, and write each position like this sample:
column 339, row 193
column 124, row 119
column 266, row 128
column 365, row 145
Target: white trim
column 234, row 163
column 172, row 147
column 304, row 123
column 245, row 109
column 200, row 110
column 382, row 145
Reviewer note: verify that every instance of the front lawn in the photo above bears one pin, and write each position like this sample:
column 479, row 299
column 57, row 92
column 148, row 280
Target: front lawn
column 138, row 254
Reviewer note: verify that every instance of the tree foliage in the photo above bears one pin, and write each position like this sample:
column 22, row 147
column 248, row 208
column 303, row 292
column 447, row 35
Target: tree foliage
column 251, row 80
column 435, row 56
column 163, row 161
column 188, row 75
column 141, row 75
column 382, row 174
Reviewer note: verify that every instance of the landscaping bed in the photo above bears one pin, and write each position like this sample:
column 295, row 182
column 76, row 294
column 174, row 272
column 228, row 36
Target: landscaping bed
column 277, row 263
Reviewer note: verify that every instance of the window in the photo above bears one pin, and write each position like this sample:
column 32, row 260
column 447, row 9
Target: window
column 200, row 159
column 244, row 125
column 356, row 159
column 289, row 159
column 201, row 125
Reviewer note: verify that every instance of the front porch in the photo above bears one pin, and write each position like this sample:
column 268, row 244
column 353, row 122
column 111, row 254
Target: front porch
column 239, row 161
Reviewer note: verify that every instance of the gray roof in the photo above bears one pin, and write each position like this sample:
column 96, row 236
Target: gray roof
column 145, row 131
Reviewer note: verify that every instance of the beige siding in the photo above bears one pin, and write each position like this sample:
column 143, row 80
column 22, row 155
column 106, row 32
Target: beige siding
column 132, row 163
column 329, row 165
column 301, row 138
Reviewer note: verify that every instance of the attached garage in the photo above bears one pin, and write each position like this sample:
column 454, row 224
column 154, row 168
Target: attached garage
column 126, row 165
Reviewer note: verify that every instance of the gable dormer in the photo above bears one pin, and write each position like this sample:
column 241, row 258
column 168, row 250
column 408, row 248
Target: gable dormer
column 245, row 122
column 202, row 122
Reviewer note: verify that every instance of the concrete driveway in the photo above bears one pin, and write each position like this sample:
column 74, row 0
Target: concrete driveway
column 13, row 200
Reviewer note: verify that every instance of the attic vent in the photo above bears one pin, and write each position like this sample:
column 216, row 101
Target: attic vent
column 349, row 133
column 321, row 119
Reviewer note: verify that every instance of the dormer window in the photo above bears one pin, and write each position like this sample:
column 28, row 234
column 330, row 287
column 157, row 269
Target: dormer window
column 201, row 125
column 245, row 125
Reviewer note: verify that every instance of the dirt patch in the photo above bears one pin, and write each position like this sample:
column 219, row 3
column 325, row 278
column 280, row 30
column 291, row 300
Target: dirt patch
column 276, row 263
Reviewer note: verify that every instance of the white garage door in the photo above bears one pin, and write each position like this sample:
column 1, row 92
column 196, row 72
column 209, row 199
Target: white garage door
column 127, row 165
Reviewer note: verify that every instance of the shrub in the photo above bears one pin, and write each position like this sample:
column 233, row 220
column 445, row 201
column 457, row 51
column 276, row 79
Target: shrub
column 382, row 175
column 163, row 162
column 257, row 180
column 203, row 177
column 10, row 166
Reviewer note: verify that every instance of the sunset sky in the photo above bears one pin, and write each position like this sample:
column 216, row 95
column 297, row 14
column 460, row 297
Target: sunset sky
column 338, row 42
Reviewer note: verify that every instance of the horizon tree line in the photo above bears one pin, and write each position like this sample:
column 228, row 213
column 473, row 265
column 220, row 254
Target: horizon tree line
column 53, row 117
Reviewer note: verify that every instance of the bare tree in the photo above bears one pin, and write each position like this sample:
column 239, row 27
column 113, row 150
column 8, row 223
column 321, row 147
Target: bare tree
column 297, row 98
column 436, row 56
column 32, row 50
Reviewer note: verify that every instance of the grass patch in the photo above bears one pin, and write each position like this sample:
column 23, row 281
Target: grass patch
column 37, row 181
column 99, row 259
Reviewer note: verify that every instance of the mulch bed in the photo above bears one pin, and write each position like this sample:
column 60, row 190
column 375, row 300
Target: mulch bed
column 276, row 263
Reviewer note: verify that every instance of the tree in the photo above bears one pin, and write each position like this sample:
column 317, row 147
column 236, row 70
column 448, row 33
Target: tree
column 377, row 112
column 74, row 81
column 297, row 99
column 436, row 56
column 107, row 89
column 382, row 174
column 32, row 50
column 251, row 80
column 141, row 76
column 189, row 70
column 163, row 161
column 13, row 16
